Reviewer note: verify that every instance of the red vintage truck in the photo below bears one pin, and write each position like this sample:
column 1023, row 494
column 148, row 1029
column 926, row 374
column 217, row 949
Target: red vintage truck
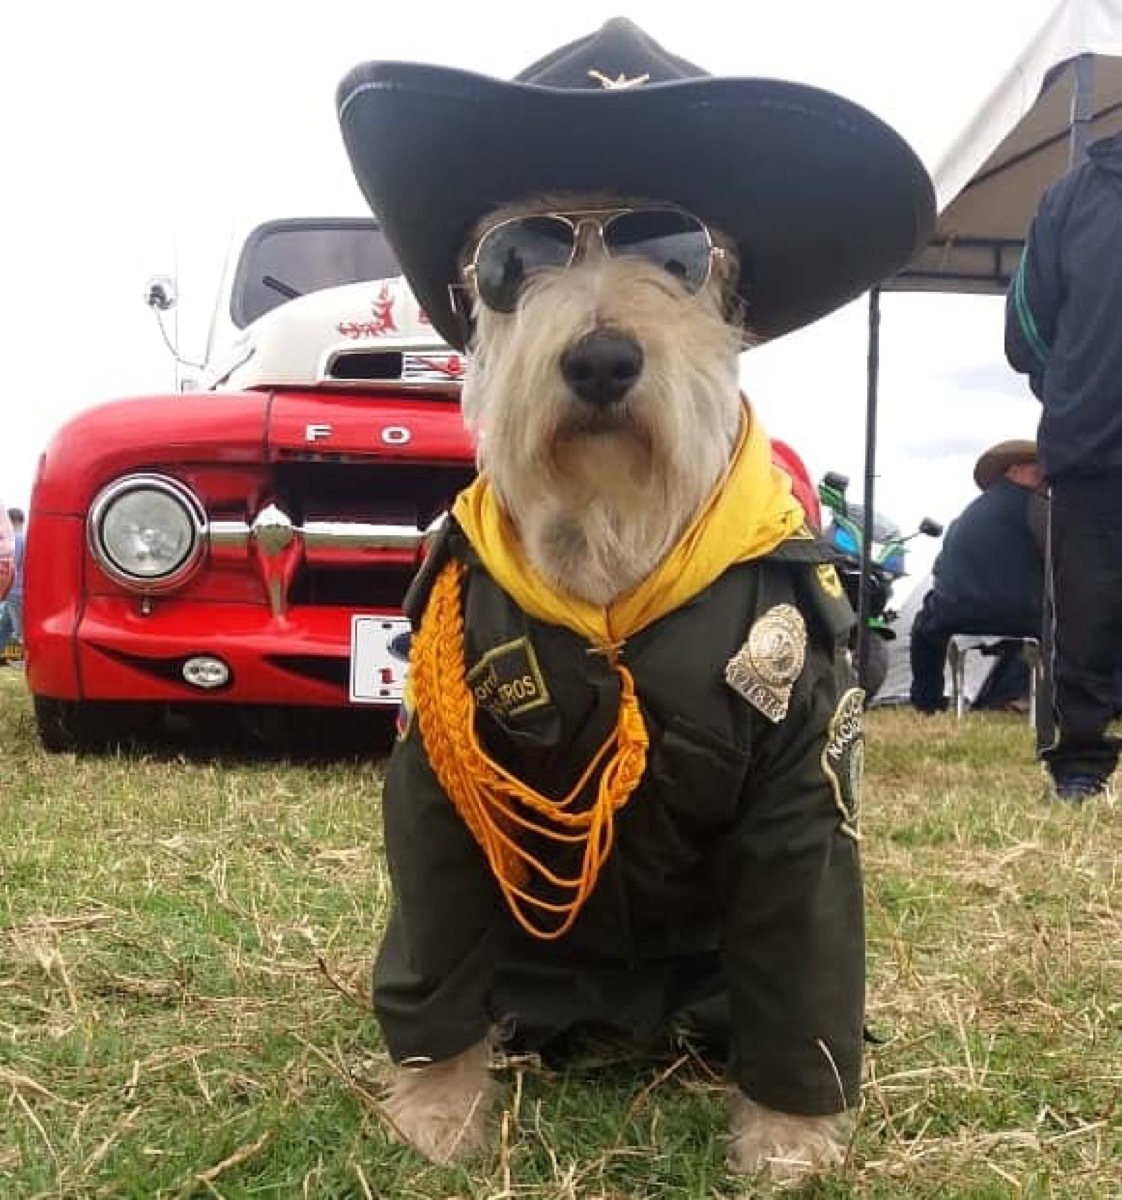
column 241, row 551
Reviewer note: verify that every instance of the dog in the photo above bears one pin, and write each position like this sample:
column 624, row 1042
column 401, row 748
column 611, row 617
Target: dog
column 606, row 408
column 626, row 790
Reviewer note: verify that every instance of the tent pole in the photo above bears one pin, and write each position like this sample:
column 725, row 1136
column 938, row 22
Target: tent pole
column 1082, row 108
column 870, row 476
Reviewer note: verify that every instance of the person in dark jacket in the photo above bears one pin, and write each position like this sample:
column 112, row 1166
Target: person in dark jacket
column 1063, row 315
column 989, row 575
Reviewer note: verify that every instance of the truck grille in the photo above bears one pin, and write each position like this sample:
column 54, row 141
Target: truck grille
column 310, row 489
column 341, row 533
column 354, row 587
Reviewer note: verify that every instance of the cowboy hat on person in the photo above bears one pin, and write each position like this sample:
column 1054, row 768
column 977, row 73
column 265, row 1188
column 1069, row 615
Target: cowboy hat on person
column 993, row 464
column 821, row 198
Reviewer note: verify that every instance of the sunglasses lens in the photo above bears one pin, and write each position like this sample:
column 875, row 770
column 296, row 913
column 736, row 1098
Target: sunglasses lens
column 513, row 251
column 675, row 241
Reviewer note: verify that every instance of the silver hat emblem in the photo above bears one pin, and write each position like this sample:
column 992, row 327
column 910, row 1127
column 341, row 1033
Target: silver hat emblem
column 620, row 81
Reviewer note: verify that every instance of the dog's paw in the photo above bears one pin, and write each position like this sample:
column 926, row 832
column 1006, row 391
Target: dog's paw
column 787, row 1146
column 442, row 1109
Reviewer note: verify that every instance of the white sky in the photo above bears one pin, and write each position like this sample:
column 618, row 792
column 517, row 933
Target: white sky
column 138, row 136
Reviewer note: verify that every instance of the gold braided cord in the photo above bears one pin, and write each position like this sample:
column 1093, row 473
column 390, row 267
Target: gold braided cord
column 494, row 804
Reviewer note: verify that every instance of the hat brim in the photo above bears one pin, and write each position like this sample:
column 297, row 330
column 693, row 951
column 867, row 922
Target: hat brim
column 822, row 199
column 998, row 459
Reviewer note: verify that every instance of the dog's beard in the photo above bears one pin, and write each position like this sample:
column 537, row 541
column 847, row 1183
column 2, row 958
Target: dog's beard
column 585, row 421
column 601, row 494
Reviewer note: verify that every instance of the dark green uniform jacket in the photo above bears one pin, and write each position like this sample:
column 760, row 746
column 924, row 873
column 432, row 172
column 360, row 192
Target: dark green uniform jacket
column 732, row 897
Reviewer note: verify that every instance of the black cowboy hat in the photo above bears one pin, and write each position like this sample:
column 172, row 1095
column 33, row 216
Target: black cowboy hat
column 822, row 199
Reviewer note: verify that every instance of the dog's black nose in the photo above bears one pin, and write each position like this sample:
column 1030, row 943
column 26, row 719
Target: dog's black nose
column 602, row 367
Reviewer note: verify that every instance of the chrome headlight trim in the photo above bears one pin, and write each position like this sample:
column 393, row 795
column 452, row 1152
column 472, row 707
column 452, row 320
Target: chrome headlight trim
column 191, row 507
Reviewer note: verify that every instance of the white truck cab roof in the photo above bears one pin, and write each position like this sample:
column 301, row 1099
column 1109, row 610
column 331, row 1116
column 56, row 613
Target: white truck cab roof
column 308, row 301
column 357, row 334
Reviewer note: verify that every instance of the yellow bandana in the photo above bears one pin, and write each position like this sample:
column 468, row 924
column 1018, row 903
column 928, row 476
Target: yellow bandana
column 748, row 514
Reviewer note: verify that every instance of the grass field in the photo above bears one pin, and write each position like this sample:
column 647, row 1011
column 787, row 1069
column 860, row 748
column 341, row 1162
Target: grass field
column 185, row 945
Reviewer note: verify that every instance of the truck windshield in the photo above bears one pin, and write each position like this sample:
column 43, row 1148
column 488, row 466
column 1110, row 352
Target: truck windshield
column 289, row 258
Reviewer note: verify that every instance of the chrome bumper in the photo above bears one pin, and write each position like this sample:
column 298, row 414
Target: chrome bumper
column 279, row 546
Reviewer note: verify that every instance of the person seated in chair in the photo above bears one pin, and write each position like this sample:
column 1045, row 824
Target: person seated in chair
column 988, row 577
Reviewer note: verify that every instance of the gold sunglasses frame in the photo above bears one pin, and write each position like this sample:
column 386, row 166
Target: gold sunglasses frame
column 596, row 218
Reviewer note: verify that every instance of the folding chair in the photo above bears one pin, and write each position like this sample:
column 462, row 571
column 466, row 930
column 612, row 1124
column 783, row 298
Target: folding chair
column 963, row 644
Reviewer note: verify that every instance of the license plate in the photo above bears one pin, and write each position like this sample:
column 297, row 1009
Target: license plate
column 379, row 659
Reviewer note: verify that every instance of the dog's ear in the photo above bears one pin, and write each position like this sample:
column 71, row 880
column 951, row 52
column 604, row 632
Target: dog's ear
column 735, row 309
column 729, row 271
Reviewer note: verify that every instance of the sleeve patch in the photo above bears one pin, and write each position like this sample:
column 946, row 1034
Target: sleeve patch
column 843, row 760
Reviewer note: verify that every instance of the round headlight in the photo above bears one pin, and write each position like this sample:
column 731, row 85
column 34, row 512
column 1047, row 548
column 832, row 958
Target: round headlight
column 147, row 532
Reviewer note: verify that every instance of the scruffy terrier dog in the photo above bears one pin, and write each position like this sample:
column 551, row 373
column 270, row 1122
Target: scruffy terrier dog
column 603, row 388
column 626, row 791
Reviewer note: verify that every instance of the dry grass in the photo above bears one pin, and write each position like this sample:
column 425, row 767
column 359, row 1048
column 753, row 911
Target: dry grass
column 184, row 950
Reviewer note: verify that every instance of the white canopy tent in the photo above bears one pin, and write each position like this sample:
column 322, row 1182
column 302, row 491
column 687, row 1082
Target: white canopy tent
column 1062, row 91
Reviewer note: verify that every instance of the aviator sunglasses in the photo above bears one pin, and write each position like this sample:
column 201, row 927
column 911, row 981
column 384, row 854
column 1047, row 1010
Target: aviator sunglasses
column 509, row 253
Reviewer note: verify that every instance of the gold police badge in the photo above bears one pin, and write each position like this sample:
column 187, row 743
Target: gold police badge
column 765, row 668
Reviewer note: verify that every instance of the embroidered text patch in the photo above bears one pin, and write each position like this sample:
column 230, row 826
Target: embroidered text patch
column 507, row 680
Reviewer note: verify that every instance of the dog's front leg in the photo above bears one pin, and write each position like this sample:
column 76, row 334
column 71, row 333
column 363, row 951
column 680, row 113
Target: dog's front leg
column 442, row 1109
column 785, row 1145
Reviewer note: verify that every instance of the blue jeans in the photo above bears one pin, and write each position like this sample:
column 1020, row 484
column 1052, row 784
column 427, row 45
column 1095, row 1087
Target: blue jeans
column 11, row 621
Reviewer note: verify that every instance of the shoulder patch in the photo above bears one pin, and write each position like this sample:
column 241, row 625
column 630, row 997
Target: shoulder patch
column 829, row 580
column 843, row 759
column 764, row 670
column 822, row 595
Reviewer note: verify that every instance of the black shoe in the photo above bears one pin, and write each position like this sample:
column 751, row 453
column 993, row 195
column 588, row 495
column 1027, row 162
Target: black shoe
column 1076, row 789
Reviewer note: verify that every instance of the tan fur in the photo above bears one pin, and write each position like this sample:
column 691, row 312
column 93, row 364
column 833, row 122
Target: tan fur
column 598, row 500
column 442, row 1109
column 785, row 1146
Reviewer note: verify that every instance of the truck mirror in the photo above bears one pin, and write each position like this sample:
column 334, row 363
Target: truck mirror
column 159, row 293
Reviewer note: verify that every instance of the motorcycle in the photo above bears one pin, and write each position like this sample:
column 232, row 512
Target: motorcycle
column 887, row 564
